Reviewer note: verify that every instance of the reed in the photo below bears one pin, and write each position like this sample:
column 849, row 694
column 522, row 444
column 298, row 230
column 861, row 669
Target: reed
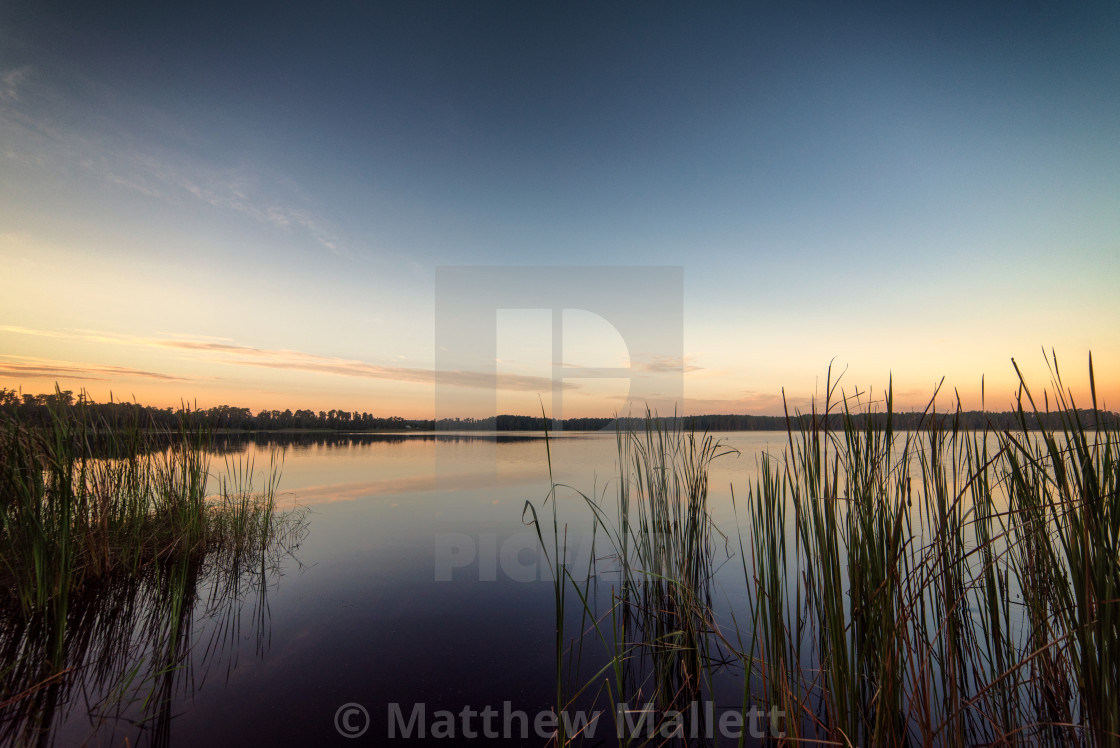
column 80, row 501
column 939, row 586
column 662, row 538
column 107, row 538
column 958, row 586
column 659, row 547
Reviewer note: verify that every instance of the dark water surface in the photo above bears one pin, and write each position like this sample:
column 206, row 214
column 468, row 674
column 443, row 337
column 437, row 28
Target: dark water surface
column 416, row 583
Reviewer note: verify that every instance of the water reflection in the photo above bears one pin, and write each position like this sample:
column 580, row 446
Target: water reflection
column 367, row 619
column 227, row 443
column 109, row 665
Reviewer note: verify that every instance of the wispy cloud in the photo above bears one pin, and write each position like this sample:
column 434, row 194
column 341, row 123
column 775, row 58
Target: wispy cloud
column 85, row 336
column 240, row 355
column 649, row 363
column 27, row 367
column 104, row 145
column 658, row 364
column 12, row 82
column 240, row 191
column 232, row 354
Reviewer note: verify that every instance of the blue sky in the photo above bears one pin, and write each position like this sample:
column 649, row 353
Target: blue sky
column 915, row 191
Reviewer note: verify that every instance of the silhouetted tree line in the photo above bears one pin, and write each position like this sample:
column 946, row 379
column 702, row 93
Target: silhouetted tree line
column 972, row 420
column 522, row 423
column 38, row 410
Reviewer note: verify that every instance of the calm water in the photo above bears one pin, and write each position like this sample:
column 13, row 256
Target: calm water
column 416, row 583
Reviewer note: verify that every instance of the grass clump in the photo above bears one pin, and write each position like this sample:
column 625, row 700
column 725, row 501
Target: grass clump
column 109, row 539
column 935, row 586
column 80, row 502
column 658, row 561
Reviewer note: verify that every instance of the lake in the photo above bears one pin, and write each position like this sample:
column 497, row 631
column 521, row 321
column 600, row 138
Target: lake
column 416, row 582
column 409, row 593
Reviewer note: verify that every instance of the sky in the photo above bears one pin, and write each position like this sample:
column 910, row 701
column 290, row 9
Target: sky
column 248, row 204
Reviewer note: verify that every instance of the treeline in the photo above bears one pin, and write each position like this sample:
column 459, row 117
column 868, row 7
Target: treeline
column 971, row 420
column 523, row 423
column 40, row 409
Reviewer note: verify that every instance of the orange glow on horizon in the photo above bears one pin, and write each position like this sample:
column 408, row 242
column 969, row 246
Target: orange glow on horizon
column 415, row 401
column 167, row 370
